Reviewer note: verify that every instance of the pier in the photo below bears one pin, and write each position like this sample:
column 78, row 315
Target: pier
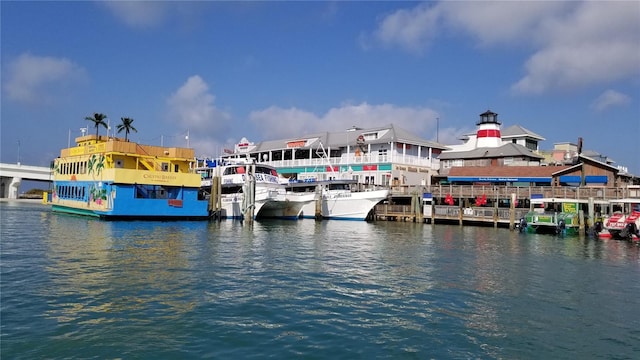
column 505, row 205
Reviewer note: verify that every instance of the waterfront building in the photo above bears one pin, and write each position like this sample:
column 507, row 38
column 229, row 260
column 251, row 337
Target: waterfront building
column 386, row 155
column 489, row 148
column 513, row 158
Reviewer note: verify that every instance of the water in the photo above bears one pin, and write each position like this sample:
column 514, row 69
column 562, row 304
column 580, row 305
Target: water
column 79, row 288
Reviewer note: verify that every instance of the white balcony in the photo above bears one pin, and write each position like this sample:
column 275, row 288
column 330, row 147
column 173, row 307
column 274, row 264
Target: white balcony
column 352, row 159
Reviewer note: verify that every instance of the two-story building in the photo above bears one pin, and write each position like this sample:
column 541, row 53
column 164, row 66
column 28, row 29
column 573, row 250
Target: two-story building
column 513, row 157
column 386, row 155
column 488, row 149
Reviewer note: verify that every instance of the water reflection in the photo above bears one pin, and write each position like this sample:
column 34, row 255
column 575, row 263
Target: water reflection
column 301, row 288
column 135, row 269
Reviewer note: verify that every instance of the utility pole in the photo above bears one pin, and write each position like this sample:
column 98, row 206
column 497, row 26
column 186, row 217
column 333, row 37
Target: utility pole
column 437, row 129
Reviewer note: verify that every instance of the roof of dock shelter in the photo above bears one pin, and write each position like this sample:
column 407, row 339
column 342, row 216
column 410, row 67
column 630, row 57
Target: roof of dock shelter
column 342, row 138
column 585, row 159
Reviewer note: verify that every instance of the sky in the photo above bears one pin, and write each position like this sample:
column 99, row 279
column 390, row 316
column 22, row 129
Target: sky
column 205, row 74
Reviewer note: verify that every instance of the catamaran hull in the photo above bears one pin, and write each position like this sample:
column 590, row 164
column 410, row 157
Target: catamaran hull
column 277, row 207
column 353, row 206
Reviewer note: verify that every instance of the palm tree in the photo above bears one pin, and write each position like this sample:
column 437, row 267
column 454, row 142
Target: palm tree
column 98, row 120
column 126, row 126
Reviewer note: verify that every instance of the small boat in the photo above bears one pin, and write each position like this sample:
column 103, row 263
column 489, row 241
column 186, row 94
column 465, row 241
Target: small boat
column 238, row 178
column 624, row 222
column 338, row 199
column 553, row 216
column 112, row 178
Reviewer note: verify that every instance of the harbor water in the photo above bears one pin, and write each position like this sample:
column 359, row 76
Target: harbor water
column 79, row 288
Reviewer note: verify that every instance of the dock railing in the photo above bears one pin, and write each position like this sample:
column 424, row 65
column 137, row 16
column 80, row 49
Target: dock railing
column 500, row 192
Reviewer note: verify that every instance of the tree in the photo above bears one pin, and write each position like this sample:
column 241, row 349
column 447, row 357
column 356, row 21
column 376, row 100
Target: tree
column 98, row 120
column 126, row 126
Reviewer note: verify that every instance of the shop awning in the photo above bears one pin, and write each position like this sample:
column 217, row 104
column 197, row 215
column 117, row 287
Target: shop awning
column 499, row 179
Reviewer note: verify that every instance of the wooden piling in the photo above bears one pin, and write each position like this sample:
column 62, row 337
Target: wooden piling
column 318, row 202
column 215, row 199
column 512, row 212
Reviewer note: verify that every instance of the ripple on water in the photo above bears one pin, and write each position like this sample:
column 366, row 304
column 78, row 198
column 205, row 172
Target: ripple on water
column 76, row 287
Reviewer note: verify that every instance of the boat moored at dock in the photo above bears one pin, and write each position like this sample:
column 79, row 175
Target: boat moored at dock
column 338, row 199
column 558, row 216
column 624, row 221
column 246, row 187
column 112, row 178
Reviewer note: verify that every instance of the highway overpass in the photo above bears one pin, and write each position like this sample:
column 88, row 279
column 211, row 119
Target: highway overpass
column 11, row 176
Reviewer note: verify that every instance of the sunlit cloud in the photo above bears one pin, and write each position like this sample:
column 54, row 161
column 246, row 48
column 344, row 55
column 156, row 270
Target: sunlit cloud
column 280, row 123
column 573, row 44
column 409, row 29
column 610, row 98
column 141, row 14
column 192, row 109
column 34, row 79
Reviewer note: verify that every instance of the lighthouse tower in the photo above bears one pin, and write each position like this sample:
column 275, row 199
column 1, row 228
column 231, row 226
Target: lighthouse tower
column 488, row 134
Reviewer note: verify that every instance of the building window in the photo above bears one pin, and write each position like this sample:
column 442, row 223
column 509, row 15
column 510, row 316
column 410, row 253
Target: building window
column 382, row 153
column 371, row 136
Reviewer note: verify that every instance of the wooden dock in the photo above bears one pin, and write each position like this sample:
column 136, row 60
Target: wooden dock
column 398, row 207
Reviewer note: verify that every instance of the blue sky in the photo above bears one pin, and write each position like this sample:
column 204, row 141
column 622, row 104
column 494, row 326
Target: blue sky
column 274, row 70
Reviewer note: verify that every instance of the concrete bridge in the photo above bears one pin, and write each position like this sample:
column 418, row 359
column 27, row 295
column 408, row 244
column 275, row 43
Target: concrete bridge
column 11, row 175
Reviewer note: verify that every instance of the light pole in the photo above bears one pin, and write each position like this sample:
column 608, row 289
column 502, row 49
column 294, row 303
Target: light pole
column 18, row 152
column 437, row 129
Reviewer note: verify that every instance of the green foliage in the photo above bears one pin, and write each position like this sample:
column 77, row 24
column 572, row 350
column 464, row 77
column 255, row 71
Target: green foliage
column 98, row 120
column 126, row 126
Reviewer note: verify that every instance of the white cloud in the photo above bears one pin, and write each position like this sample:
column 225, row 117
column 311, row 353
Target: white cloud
column 586, row 47
column 279, row 123
column 574, row 43
column 499, row 22
column 41, row 79
column 411, row 29
column 192, row 108
column 141, row 14
column 610, row 98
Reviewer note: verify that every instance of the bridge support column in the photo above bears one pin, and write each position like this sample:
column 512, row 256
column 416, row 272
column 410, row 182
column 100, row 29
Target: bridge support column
column 9, row 187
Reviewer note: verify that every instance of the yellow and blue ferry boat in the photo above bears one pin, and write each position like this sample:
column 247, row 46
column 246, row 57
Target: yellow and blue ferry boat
column 112, row 178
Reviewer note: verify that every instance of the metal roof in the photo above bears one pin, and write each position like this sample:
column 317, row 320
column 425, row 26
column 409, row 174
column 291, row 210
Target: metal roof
column 506, row 150
column 386, row 134
column 519, row 131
